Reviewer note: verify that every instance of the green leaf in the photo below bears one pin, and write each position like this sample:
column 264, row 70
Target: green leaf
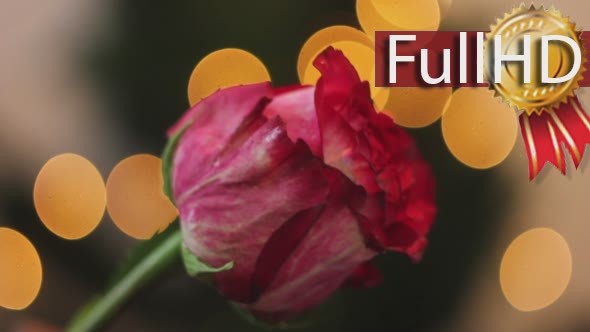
column 167, row 160
column 195, row 267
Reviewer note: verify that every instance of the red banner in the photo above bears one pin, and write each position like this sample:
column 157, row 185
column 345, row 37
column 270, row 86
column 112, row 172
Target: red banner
column 544, row 135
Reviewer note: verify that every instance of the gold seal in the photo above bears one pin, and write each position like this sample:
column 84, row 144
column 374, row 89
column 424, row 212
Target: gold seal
column 534, row 96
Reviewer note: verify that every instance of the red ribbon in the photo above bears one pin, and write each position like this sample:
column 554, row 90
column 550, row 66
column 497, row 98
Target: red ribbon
column 545, row 133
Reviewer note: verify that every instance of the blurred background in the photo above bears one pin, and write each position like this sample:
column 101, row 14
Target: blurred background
column 105, row 79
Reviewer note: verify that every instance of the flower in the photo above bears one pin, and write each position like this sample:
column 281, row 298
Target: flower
column 299, row 187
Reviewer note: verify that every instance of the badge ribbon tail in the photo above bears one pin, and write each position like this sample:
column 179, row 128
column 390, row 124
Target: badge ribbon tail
column 544, row 134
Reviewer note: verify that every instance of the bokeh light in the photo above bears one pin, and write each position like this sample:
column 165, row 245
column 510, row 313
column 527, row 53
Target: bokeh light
column 536, row 269
column 324, row 38
column 224, row 68
column 20, row 270
column 416, row 107
column 380, row 95
column 479, row 130
column 70, row 196
column 135, row 198
column 387, row 15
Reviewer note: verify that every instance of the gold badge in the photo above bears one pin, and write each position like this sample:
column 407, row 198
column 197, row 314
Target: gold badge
column 526, row 26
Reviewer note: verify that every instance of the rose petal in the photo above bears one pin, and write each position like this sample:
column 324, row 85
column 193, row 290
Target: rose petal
column 238, row 195
column 331, row 250
column 297, row 110
column 373, row 152
column 366, row 275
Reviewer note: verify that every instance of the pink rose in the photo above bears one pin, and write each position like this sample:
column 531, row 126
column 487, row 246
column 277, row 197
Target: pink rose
column 299, row 187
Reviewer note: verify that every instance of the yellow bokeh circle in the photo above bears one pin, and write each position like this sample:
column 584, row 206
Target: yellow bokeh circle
column 324, row 38
column 380, row 95
column 479, row 130
column 224, row 68
column 21, row 272
column 417, row 107
column 135, row 198
column 70, row 196
column 536, row 269
column 391, row 15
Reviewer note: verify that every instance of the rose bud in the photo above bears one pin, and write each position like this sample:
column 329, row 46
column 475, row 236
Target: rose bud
column 299, row 188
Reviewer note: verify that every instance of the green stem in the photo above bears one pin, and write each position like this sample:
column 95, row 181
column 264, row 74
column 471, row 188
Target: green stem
column 158, row 259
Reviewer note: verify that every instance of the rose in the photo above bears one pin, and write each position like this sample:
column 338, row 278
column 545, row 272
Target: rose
column 299, row 187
